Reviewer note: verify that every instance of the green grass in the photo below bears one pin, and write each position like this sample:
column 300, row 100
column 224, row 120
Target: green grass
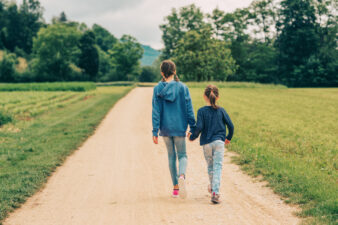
column 115, row 83
column 30, row 150
column 290, row 137
column 53, row 86
column 236, row 85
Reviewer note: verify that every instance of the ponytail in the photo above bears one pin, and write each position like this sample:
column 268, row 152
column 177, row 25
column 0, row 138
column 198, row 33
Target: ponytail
column 211, row 91
column 212, row 99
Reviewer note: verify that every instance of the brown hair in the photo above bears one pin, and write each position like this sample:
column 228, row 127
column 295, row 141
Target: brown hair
column 211, row 91
column 168, row 68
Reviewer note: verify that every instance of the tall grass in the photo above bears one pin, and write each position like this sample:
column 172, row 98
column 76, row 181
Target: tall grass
column 290, row 137
column 48, row 86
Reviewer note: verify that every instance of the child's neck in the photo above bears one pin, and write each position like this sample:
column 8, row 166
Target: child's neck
column 171, row 78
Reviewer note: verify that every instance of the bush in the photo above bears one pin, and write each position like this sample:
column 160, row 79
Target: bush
column 5, row 118
column 57, row 86
column 7, row 67
column 149, row 74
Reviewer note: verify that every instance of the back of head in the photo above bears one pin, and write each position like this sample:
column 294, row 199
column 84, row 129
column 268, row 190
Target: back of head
column 211, row 91
column 168, row 68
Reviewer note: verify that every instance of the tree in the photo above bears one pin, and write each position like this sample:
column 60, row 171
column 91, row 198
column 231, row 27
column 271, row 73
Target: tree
column 89, row 57
column 104, row 39
column 2, row 24
column 298, row 41
column 328, row 53
column 126, row 55
column 263, row 19
column 216, row 21
column 199, row 57
column 53, row 50
column 234, row 28
column 23, row 23
column 63, row 17
column 260, row 65
column 177, row 24
column 7, row 67
column 106, row 67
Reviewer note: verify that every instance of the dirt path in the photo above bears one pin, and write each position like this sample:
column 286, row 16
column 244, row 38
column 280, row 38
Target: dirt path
column 119, row 177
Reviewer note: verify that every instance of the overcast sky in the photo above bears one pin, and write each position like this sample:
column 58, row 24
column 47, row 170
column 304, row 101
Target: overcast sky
column 139, row 18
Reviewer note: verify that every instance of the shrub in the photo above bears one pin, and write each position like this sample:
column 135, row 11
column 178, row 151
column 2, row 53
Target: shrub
column 5, row 118
column 7, row 67
column 149, row 74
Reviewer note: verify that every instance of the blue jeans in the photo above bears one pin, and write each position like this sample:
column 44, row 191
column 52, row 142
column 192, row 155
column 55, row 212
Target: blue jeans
column 214, row 154
column 176, row 149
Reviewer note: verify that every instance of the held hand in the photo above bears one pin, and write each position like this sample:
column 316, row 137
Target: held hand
column 155, row 140
column 226, row 142
column 188, row 135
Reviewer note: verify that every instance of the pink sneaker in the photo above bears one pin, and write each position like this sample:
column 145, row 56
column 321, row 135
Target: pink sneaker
column 175, row 193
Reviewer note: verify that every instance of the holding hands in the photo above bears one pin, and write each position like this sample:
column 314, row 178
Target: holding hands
column 155, row 140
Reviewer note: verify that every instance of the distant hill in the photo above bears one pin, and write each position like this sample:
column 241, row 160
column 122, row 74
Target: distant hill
column 149, row 55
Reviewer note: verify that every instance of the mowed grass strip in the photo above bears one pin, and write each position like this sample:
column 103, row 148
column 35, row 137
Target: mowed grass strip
column 31, row 150
column 48, row 86
column 290, row 137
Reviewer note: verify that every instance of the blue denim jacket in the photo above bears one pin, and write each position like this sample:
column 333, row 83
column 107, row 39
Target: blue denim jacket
column 172, row 109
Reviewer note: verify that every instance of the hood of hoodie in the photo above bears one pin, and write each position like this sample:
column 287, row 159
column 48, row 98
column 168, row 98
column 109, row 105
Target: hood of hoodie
column 169, row 91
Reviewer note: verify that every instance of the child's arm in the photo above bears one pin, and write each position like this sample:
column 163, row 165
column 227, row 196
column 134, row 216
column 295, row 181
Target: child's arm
column 229, row 124
column 199, row 126
column 156, row 114
column 190, row 111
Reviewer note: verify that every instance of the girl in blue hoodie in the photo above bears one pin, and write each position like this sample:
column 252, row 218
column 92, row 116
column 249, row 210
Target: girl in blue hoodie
column 172, row 112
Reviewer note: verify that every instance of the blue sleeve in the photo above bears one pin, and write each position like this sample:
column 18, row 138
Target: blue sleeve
column 199, row 126
column 156, row 114
column 190, row 110
column 228, row 122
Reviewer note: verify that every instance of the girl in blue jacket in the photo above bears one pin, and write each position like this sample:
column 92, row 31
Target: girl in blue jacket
column 172, row 112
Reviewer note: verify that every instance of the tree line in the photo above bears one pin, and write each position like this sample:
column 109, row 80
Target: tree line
column 291, row 42
column 62, row 50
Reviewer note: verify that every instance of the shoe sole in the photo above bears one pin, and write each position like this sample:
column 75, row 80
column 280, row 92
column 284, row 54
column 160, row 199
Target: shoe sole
column 215, row 202
column 181, row 185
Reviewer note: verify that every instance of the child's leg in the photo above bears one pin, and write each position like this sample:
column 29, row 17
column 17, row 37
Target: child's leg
column 169, row 142
column 181, row 154
column 207, row 149
column 218, row 147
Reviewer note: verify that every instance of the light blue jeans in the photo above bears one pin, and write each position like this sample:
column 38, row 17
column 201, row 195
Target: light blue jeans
column 176, row 149
column 214, row 154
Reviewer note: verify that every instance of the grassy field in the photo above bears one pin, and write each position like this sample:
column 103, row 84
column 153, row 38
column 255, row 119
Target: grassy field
column 290, row 137
column 46, row 128
column 48, row 86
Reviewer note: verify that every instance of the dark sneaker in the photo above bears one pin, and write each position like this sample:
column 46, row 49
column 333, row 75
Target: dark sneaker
column 215, row 198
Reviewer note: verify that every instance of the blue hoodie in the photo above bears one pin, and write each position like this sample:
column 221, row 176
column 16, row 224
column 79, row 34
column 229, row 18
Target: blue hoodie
column 172, row 109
